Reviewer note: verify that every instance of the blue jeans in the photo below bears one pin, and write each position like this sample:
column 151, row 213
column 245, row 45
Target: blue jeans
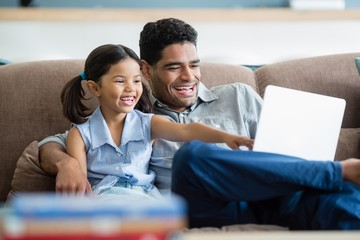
column 224, row 187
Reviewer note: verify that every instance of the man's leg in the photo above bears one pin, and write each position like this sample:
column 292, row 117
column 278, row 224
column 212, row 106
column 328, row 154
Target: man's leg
column 216, row 181
column 328, row 210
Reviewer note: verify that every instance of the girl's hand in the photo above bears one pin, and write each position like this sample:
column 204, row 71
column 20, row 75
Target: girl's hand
column 235, row 141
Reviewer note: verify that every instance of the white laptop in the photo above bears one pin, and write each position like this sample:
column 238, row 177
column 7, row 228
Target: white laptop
column 299, row 124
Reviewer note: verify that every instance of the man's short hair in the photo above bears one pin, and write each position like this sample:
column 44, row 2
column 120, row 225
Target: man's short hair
column 156, row 36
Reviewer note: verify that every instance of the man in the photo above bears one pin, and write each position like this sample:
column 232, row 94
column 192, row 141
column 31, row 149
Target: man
column 223, row 186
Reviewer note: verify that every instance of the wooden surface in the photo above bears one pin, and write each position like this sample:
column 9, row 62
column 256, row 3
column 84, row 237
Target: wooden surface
column 102, row 14
column 273, row 235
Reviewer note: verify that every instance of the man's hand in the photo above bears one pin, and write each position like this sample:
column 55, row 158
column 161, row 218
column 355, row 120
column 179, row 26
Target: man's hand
column 70, row 179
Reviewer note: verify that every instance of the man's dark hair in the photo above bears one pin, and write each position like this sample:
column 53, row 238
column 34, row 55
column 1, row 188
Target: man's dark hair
column 156, row 36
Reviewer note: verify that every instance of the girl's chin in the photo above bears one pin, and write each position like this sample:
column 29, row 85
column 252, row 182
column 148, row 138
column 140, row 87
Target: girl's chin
column 127, row 109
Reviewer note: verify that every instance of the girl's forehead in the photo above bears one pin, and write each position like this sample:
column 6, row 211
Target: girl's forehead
column 127, row 65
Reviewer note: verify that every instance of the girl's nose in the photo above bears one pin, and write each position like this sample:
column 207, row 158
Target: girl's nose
column 129, row 87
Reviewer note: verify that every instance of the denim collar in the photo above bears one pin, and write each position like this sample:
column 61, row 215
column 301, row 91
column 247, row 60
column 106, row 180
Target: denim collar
column 100, row 133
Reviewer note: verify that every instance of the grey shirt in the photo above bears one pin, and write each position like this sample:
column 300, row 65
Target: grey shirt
column 234, row 108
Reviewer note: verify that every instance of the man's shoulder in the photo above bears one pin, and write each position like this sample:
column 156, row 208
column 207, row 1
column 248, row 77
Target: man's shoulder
column 233, row 88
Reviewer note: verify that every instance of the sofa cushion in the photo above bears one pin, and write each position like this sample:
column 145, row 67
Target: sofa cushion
column 333, row 75
column 215, row 74
column 28, row 176
column 348, row 144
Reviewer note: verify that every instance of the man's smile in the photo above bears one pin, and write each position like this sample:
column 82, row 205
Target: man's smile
column 186, row 90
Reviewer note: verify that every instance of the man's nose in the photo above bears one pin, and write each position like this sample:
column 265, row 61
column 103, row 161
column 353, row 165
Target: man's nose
column 187, row 74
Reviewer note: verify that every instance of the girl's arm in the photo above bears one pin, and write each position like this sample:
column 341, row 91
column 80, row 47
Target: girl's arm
column 75, row 147
column 179, row 132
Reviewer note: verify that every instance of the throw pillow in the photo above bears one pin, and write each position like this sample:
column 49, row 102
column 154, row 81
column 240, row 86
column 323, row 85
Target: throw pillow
column 28, row 175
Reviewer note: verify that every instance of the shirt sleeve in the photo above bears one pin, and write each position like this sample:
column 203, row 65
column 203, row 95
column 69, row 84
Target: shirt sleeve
column 58, row 138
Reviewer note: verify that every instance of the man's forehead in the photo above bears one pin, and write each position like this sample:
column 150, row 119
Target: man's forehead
column 179, row 54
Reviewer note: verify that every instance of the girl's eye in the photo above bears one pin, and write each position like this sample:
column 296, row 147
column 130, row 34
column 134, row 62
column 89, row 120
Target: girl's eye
column 120, row 81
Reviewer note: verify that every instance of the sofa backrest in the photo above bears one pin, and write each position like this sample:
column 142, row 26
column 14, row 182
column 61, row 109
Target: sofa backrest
column 214, row 74
column 31, row 108
column 333, row 75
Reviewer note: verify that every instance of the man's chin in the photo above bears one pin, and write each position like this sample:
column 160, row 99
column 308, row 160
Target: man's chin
column 181, row 105
column 187, row 102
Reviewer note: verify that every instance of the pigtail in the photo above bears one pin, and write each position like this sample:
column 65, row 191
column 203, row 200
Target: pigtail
column 72, row 95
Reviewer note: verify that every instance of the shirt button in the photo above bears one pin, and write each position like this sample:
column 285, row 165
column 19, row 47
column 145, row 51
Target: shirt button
column 119, row 154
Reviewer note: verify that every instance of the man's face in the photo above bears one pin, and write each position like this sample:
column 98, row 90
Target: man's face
column 175, row 78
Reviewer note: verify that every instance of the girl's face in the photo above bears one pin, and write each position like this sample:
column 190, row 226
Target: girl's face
column 120, row 88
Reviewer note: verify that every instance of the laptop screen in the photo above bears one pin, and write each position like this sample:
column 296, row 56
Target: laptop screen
column 300, row 124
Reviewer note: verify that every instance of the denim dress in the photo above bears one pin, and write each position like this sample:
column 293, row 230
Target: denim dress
column 119, row 171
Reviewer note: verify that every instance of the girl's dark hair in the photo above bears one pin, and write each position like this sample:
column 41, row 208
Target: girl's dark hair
column 98, row 64
column 156, row 36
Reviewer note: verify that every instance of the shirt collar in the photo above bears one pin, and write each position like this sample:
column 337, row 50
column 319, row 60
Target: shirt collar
column 204, row 95
column 133, row 130
column 100, row 133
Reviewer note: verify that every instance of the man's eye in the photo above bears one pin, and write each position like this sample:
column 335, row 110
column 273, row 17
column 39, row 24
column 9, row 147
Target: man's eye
column 173, row 68
column 120, row 81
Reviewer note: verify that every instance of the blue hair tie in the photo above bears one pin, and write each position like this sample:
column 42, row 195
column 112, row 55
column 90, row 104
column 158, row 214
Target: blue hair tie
column 83, row 76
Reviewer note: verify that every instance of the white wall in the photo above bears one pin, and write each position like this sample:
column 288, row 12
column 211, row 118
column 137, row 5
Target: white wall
column 245, row 42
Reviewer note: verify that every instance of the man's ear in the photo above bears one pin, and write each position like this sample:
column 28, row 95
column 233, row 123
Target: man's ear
column 93, row 87
column 146, row 70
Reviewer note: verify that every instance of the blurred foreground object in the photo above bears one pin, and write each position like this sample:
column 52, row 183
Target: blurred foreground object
column 44, row 216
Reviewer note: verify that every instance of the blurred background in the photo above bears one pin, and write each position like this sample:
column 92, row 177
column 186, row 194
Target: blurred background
column 165, row 3
column 248, row 32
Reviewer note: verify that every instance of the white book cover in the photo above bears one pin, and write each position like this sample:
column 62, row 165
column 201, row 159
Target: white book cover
column 317, row 4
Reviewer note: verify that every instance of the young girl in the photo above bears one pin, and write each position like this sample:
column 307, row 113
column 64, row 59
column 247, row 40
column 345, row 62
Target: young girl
column 113, row 145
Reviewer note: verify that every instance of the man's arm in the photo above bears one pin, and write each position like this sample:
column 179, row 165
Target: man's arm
column 69, row 176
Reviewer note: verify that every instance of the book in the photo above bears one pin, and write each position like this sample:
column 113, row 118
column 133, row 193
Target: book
column 47, row 216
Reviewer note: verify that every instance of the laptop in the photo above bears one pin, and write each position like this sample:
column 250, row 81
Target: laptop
column 299, row 123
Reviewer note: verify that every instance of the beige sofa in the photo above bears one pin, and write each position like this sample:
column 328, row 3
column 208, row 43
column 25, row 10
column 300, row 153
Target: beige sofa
column 31, row 109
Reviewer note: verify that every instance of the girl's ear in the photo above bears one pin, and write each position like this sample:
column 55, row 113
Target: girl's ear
column 93, row 87
column 146, row 70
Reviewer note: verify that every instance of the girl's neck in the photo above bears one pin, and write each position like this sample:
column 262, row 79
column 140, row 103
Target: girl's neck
column 115, row 123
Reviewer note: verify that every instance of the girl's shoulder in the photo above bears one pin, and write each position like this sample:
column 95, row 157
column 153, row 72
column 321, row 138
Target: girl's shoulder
column 142, row 114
